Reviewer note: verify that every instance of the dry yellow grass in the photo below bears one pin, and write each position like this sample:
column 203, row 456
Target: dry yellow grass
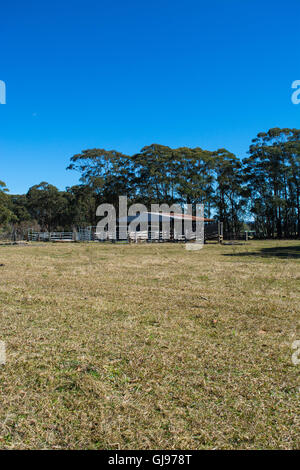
column 149, row 346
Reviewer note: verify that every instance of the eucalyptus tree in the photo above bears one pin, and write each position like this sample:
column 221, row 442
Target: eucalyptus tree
column 47, row 205
column 293, row 155
column 19, row 206
column 82, row 205
column 6, row 214
column 230, row 195
column 272, row 172
column 107, row 172
column 195, row 177
column 155, row 168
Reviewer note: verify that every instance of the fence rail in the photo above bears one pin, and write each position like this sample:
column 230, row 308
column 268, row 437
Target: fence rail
column 211, row 232
column 51, row 236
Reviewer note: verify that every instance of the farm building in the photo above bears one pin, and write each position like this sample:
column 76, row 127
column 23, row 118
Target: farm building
column 154, row 226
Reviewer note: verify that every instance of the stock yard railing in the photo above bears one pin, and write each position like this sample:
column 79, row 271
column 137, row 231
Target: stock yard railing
column 51, row 236
column 213, row 231
column 92, row 234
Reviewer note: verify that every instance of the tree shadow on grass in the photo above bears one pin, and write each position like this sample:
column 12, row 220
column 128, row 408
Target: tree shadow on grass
column 283, row 252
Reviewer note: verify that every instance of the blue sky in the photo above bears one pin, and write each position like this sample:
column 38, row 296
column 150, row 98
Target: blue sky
column 121, row 74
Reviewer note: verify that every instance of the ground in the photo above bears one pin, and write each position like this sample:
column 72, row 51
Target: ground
column 150, row 346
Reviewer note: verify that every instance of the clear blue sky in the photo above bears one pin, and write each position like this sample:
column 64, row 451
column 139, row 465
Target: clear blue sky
column 121, row 74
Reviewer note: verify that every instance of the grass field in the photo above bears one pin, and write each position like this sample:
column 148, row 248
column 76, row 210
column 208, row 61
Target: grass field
column 150, row 346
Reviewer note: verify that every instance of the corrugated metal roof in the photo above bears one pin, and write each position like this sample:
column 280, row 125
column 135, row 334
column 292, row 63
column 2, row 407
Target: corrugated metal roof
column 183, row 216
column 162, row 217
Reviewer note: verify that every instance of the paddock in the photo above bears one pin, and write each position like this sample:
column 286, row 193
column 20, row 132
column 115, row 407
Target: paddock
column 140, row 346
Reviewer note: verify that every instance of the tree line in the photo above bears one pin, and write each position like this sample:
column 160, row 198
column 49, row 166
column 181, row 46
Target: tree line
column 263, row 188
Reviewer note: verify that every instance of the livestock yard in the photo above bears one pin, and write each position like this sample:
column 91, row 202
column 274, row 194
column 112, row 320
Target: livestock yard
column 150, row 346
